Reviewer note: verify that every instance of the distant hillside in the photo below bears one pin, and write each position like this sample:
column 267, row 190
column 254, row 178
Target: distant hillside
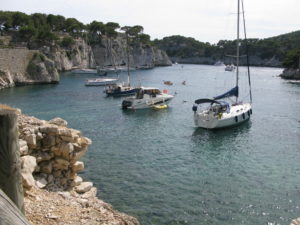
column 263, row 52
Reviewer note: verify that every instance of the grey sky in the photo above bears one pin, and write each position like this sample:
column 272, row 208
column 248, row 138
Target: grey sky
column 205, row 20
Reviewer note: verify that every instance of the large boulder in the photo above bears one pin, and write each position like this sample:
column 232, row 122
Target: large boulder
column 28, row 165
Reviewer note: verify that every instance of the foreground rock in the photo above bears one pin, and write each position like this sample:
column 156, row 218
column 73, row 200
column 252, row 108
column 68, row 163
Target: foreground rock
column 55, row 194
column 44, row 207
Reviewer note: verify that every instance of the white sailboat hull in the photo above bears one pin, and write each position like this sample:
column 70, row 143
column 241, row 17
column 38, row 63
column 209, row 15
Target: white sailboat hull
column 210, row 120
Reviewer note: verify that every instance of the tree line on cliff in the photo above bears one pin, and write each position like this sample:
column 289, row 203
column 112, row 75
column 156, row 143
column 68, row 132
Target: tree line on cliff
column 285, row 48
column 45, row 29
column 48, row 28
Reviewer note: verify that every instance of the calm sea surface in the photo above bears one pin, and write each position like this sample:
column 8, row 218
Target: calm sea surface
column 156, row 166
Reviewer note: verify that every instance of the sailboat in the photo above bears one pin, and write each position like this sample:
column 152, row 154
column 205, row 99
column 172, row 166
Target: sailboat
column 220, row 113
column 122, row 89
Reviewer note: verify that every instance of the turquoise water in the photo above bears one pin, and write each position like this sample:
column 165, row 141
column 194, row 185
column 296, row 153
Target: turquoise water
column 157, row 166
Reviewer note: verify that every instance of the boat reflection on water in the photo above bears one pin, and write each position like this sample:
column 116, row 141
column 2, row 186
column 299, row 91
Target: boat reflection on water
column 220, row 138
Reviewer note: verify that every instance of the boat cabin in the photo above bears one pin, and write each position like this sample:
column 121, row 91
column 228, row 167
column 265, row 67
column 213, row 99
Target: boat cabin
column 152, row 92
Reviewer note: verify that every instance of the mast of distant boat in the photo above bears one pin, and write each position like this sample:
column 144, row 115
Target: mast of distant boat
column 238, row 47
column 127, row 51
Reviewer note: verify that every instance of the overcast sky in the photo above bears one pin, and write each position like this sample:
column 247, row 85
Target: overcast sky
column 204, row 20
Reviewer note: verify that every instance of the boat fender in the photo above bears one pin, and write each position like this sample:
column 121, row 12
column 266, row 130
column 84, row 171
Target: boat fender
column 248, row 112
column 236, row 119
column 251, row 111
column 243, row 115
column 194, row 108
column 220, row 115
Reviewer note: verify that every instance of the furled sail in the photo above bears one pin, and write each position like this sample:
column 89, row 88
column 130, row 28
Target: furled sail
column 233, row 92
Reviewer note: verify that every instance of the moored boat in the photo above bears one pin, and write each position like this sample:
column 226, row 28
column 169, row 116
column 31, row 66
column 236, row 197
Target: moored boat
column 100, row 81
column 220, row 114
column 147, row 97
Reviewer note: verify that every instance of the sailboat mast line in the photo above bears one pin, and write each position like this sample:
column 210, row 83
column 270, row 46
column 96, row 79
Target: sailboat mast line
column 247, row 52
column 238, row 46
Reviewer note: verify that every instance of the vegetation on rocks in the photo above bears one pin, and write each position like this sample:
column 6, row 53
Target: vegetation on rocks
column 43, row 28
column 274, row 47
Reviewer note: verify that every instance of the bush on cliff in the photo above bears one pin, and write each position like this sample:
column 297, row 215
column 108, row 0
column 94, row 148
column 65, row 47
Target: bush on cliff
column 67, row 42
column 292, row 59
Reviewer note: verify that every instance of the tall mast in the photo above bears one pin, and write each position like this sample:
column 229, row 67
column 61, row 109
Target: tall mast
column 127, row 51
column 238, row 46
column 247, row 52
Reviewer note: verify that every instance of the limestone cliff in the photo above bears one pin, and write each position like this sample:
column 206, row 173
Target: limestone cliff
column 42, row 64
column 23, row 66
column 110, row 52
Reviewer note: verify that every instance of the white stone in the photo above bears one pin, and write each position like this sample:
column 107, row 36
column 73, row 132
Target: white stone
column 84, row 187
column 59, row 122
column 27, row 180
column 28, row 163
column 90, row 194
column 78, row 166
column 41, row 183
column 77, row 181
column 31, row 140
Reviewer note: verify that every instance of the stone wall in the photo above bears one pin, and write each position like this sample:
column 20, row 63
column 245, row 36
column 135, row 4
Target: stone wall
column 50, row 162
column 50, row 154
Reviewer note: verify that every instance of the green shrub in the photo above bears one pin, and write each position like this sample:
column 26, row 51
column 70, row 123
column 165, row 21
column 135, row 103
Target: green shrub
column 67, row 42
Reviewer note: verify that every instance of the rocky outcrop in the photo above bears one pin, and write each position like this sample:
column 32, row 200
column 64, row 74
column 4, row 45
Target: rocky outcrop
column 23, row 66
column 110, row 52
column 79, row 55
column 290, row 74
column 55, row 194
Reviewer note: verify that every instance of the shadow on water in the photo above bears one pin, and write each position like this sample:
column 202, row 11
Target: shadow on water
column 147, row 113
column 222, row 138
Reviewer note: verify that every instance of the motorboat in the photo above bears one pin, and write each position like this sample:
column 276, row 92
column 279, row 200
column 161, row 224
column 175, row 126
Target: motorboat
column 229, row 67
column 117, row 90
column 100, row 81
column 220, row 113
column 147, row 97
column 167, row 82
column 84, row 71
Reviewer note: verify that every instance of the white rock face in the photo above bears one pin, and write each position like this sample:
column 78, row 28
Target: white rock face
column 84, row 187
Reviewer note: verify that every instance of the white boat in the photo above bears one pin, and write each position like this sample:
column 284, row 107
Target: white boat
column 220, row 114
column 100, row 81
column 229, row 67
column 84, row 71
column 147, row 97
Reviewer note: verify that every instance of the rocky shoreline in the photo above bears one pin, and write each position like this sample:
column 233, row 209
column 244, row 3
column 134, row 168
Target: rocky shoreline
column 290, row 74
column 54, row 193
